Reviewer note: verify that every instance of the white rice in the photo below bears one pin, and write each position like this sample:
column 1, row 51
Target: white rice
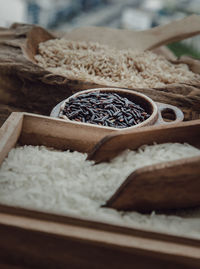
column 65, row 183
column 103, row 65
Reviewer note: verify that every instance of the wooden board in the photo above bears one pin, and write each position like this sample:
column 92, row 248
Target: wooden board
column 33, row 239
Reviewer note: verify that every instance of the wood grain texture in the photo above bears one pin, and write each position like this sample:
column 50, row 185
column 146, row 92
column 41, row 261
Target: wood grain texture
column 111, row 145
column 9, row 134
column 41, row 244
column 171, row 185
column 60, row 134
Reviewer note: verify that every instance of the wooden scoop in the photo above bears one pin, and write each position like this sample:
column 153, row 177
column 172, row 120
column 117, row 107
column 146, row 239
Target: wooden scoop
column 139, row 40
column 168, row 185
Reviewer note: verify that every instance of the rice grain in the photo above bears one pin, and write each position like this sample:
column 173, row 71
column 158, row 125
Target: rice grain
column 107, row 66
column 65, row 183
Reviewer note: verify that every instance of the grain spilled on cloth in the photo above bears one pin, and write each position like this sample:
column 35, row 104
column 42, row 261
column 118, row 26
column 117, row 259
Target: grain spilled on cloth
column 107, row 66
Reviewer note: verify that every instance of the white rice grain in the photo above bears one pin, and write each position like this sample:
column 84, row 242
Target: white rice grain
column 65, row 183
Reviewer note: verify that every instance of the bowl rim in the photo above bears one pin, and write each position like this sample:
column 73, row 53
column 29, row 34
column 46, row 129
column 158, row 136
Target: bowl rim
column 150, row 121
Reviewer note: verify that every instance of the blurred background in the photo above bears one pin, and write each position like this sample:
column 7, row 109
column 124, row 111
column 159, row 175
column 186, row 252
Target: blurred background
column 64, row 15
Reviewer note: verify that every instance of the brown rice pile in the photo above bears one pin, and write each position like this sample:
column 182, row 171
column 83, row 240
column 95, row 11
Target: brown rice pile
column 100, row 64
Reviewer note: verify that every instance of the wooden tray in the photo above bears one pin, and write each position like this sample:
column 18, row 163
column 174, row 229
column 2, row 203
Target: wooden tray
column 32, row 239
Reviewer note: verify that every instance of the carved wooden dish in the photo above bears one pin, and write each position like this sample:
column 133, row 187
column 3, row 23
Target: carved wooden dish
column 154, row 109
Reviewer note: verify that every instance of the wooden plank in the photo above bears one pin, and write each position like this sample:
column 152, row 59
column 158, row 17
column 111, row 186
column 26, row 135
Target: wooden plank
column 67, row 245
column 9, row 133
column 93, row 223
column 111, row 145
column 60, row 134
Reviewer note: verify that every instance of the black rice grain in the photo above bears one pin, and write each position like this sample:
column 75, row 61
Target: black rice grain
column 105, row 109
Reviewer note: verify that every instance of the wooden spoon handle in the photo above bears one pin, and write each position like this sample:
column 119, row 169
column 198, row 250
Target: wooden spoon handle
column 138, row 40
column 114, row 143
column 168, row 185
column 174, row 31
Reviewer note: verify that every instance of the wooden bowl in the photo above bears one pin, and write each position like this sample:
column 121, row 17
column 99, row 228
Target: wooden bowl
column 154, row 109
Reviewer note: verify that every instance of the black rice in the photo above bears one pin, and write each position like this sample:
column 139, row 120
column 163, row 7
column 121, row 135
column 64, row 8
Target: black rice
column 106, row 109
